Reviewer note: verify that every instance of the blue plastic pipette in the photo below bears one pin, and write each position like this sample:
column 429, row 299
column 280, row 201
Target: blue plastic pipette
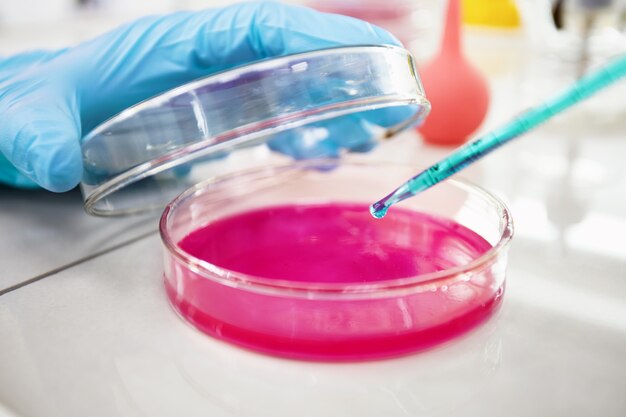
column 471, row 152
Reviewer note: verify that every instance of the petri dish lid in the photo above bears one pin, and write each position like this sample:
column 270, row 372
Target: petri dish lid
column 142, row 158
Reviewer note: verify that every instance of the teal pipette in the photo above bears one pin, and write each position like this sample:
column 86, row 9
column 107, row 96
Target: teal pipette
column 471, row 152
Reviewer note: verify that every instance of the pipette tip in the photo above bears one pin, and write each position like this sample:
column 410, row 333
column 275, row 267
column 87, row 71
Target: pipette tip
column 378, row 209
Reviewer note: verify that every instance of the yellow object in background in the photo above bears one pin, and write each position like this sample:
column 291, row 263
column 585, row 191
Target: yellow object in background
column 493, row 13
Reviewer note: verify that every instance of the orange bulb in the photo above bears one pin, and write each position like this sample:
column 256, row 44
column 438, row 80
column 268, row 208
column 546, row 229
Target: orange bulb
column 456, row 90
column 459, row 97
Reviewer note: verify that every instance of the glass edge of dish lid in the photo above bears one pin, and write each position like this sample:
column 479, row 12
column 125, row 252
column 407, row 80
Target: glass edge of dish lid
column 142, row 158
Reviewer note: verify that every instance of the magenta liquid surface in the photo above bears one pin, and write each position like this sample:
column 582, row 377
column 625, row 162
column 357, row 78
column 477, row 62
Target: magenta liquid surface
column 334, row 243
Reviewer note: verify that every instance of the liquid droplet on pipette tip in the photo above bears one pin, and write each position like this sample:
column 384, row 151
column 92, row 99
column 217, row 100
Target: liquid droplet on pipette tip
column 378, row 210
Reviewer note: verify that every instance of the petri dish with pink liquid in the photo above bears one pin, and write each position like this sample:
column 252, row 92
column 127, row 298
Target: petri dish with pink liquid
column 268, row 240
column 288, row 261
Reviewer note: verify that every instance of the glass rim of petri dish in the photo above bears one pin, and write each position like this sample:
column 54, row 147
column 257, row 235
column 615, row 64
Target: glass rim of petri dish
column 318, row 290
column 131, row 160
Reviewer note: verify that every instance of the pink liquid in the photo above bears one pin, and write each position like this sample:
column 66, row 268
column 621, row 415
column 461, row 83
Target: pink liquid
column 335, row 243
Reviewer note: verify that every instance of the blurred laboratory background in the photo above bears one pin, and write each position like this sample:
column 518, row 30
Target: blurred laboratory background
column 561, row 337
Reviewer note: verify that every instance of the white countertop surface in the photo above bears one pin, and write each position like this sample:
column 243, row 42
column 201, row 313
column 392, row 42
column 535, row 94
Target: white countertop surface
column 86, row 330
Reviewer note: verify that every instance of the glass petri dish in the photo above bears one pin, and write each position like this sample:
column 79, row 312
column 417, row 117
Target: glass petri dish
column 298, row 313
column 142, row 158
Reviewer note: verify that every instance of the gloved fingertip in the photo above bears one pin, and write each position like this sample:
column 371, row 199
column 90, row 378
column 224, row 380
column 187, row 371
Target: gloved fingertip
column 314, row 150
column 364, row 147
column 305, row 143
column 281, row 143
column 57, row 169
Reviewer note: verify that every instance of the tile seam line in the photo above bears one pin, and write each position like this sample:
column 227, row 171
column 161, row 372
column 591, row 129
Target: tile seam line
column 77, row 262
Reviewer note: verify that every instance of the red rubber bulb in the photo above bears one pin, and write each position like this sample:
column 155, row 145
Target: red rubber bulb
column 456, row 90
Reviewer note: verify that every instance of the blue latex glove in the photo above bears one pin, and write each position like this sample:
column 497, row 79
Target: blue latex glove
column 357, row 132
column 48, row 100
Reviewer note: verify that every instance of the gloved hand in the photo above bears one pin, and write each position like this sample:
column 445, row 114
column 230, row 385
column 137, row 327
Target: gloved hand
column 48, row 100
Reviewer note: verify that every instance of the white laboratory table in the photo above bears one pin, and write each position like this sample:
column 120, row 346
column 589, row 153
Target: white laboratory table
column 86, row 330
